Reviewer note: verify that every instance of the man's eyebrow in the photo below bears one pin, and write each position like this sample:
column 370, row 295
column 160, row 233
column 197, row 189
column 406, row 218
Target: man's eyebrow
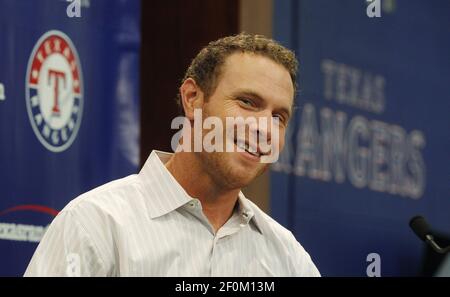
column 248, row 93
column 255, row 95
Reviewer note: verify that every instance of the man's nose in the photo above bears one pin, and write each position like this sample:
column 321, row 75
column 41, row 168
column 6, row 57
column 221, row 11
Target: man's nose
column 265, row 125
column 262, row 128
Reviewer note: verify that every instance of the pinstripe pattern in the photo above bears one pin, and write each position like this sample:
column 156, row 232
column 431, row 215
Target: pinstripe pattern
column 147, row 225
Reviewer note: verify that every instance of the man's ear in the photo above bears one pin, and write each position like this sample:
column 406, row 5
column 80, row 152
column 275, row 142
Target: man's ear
column 191, row 97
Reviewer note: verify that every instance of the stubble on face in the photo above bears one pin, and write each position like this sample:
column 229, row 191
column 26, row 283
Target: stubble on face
column 224, row 174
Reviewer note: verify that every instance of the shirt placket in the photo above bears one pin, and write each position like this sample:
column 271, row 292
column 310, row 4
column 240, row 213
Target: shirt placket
column 236, row 223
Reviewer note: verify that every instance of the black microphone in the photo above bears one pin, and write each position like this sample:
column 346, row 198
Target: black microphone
column 420, row 226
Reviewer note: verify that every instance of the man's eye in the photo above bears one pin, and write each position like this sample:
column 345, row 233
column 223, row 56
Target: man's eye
column 246, row 101
column 279, row 117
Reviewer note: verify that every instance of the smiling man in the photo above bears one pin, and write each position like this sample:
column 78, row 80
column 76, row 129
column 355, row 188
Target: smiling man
column 184, row 214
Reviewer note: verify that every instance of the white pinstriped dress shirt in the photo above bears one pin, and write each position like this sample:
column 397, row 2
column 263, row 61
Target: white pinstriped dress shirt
column 147, row 225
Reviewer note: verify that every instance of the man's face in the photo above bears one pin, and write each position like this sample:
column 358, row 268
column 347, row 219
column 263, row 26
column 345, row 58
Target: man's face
column 249, row 86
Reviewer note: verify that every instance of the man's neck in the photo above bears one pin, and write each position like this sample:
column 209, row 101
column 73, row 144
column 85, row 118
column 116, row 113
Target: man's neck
column 217, row 203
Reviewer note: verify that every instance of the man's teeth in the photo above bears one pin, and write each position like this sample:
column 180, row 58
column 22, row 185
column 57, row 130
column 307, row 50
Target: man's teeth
column 246, row 147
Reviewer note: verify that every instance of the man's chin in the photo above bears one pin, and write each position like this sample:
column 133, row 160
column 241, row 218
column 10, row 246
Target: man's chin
column 231, row 170
column 238, row 181
column 243, row 175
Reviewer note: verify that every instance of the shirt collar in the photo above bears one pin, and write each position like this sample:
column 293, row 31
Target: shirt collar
column 247, row 212
column 168, row 195
column 159, row 184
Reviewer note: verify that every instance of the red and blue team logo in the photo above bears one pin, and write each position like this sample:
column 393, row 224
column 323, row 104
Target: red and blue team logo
column 54, row 91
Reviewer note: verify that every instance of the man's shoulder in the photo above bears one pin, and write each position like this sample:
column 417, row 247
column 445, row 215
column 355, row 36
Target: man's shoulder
column 269, row 224
column 107, row 197
column 281, row 237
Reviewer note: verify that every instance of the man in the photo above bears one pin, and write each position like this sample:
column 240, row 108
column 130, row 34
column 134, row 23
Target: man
column 184, row 213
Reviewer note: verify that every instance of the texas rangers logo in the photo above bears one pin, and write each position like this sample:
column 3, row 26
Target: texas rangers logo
column 54, row 91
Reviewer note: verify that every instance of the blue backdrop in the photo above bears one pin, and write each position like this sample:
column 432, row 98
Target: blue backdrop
column 69, row 111
column 369, row 145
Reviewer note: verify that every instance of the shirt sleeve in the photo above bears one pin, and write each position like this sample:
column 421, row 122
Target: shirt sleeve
column 66, row 249
column 303, row 264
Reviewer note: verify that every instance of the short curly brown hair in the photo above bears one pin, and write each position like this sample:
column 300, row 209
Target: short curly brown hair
column 205, row 68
